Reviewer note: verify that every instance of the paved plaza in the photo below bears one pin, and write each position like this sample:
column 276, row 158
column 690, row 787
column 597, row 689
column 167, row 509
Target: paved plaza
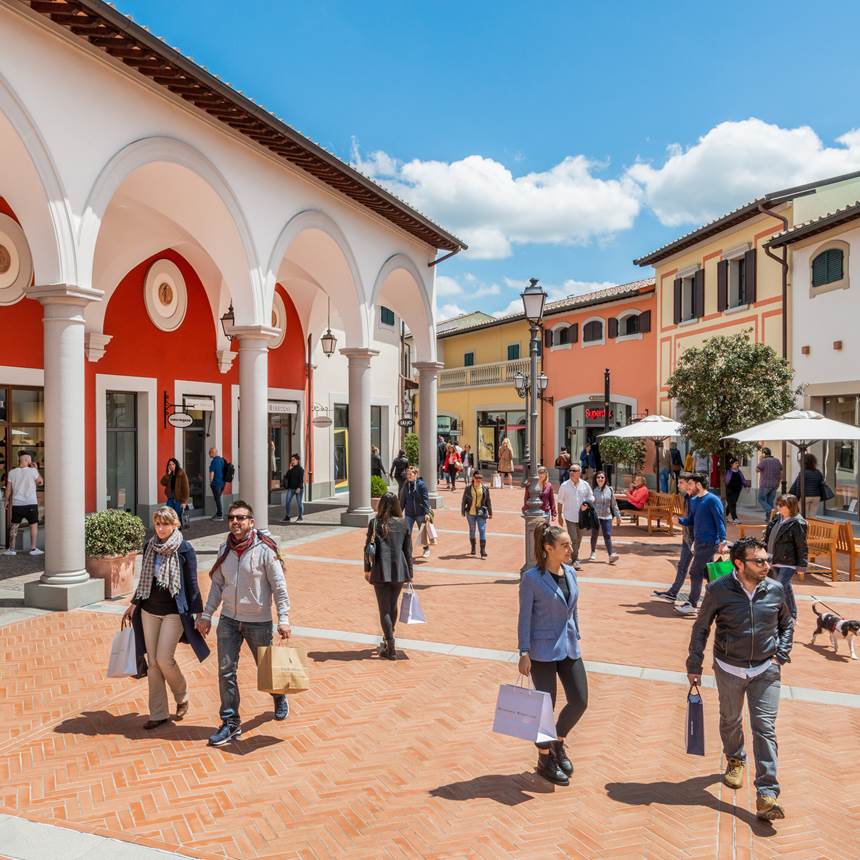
column 382, row 759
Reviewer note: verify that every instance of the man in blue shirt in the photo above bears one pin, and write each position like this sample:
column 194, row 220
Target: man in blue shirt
column 709, row 536
column 216, row 481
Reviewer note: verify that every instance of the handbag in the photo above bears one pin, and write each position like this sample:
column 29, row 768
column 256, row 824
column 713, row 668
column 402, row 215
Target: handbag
column 826, row 491
column 370, row 549
column 482, row 511
column 695, row 724
column 525, row 713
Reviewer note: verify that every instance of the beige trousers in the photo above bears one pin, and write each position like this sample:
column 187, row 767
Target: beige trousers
column 162, row 634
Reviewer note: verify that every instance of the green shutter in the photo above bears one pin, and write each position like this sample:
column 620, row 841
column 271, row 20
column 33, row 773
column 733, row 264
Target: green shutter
column 834, row 265
column 469, row 359
column 386, row 315
column 828, row 267
column 513, row 352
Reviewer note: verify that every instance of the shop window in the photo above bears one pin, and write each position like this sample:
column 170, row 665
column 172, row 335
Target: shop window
column 386, row 316
column 469, row 359
column 513, row 351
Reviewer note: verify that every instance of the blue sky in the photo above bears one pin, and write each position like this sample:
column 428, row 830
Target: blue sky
column 560, row 142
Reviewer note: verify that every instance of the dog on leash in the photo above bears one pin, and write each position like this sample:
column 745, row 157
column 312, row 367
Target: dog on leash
column 837, row 627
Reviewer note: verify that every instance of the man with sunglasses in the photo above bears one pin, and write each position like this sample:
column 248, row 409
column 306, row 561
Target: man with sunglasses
column 246, row 578
column 752, row 641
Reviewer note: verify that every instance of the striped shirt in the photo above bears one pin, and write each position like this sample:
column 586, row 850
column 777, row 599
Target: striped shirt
column 770, row 472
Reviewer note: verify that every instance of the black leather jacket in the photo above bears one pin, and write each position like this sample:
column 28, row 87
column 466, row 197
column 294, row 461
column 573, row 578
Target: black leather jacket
column 789, row 546
column 748, row 631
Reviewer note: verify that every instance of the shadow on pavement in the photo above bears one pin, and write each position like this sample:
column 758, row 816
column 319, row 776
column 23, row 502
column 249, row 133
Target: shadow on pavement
column 844, row 656
column 342, row 656
column 655, row 608
column 507, row 789
column 689, row 792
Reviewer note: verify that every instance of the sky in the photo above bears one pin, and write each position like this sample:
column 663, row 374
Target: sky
column 559, row 140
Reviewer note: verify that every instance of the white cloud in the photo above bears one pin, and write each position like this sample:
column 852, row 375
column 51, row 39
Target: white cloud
column 450, row 310
column 447, row 286
column 736, row 162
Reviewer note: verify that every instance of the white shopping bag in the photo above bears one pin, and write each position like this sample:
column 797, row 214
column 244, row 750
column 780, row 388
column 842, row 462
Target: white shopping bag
column 497, row 481
column 410, row 608
column 432, row 533
column 524, row 713
column 123, row 657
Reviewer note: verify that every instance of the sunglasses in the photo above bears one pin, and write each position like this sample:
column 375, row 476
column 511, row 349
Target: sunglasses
column 240, row 517
column 759, row 562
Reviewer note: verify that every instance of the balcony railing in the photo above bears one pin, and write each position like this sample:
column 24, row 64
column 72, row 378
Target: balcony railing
column 499, row 373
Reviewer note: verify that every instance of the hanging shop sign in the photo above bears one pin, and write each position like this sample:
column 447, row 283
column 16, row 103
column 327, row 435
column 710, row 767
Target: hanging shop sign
column 322, row 421
column 180, row 419
column 199, row 404
column 406, row 422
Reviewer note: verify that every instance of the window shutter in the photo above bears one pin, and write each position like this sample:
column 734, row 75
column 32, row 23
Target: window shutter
column 613, row 326
column 677, row 290
column 819, row 270
column 645, row 322
column 547, row 337
column 835, row 264
column 722, row 285
column 573, row 333
column 749, row 277
column 699, row 294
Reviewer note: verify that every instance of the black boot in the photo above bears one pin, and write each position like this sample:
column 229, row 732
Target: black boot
column 472, row 541
column 548, row 768
column 391, row 652
column 561, row 758
column 483, row 549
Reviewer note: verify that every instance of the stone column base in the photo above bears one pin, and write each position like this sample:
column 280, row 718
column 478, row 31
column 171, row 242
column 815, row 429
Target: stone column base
column 63, row 597
column 357, row 518
column 436, row 501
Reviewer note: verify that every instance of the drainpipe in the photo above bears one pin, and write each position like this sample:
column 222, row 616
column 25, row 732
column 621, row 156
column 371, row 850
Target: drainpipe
column 309, row 435
column 783, row 262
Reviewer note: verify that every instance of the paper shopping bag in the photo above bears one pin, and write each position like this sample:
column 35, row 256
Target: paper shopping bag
column 524, row 713
column 280, row 670
column 432, row 533
column 695, row 729
column 497, row 481
column 123, row 657
column 423, row 535
column 410, row 607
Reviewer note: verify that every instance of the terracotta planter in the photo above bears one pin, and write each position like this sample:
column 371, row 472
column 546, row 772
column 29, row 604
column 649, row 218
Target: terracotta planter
column 117, row 571
column 374, row 502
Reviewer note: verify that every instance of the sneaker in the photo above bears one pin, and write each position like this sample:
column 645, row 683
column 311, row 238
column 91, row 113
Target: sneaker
column 614, row 557
column 548, row 768
column 668, row 596
column 10, row 552
column 593, row 557
column 35, row 551
column 767, row 808
column 300, row 520
column 426, row 553
column 282, row 708
column 734, row 775
column 285, row 519
column 228, row 732
column 577, row 566
column 686, row 608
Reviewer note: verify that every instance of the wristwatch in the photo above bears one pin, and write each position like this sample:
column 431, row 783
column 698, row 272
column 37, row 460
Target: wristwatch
column 524, row 653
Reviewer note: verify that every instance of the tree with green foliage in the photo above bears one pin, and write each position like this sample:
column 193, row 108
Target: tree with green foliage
column 623, row 452
column 726, row 385
column 412, row 448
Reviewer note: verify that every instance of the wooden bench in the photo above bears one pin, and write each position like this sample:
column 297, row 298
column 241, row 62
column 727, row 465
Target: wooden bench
column 659, row 507
column 822, row 538
column 848, row 544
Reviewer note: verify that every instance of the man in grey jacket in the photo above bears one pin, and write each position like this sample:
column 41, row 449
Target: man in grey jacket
column 247, row 577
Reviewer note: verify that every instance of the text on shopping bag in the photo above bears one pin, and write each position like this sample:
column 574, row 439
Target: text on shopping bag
column 123, row 657
column 280, row 670
column 524, row 713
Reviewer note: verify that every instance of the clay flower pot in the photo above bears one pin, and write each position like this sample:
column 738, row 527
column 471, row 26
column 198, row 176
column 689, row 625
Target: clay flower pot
column 117, row 571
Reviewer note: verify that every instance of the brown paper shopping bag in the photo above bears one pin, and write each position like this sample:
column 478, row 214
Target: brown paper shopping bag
column 280, row 670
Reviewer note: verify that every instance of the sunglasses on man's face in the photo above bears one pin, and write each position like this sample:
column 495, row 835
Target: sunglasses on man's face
column 240, row 517
column 759, row 562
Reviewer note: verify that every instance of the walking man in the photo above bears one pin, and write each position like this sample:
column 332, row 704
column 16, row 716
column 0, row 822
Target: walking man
column 294, row 482
column 752, row 642
column 769, row 475
column 685, row 487
column 247, row 578
column 216, row 480
column 21, row 486
column 709, row 537
column 572, row 497
column 562, row 463
column 415, row 504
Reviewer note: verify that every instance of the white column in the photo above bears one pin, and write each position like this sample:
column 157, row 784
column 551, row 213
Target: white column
column 359, row 511
column 254, row 417
column 428, row 430
column 65, row 583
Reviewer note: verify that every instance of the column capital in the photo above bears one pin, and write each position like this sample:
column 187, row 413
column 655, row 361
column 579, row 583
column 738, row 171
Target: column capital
column 246, row 334
column 64, row 294
column 425, row 366
column 358, row 353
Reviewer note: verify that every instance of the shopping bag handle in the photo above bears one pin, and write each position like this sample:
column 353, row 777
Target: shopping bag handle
column 125, row 621
column 529, row 683
column 698, row 691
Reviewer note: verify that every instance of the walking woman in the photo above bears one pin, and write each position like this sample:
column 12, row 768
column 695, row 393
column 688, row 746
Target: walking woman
column 477, row 507
column 548, row 632
column 735, row 482
column 547, row 495
column 453, row 465
column 815, row 487
column 468, row 459
column 161, row 614
column 506, row 462
column 175, row 483
column 387, row 565
column 606, row 509
column 785, row 537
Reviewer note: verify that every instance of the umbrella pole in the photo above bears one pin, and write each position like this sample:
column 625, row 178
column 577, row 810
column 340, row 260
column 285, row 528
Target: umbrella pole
column 802, row 451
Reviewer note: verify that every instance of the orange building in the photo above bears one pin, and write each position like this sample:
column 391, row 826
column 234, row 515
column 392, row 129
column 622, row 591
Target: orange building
column 583, row 336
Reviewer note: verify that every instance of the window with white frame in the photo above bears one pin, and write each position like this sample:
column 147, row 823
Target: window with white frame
column 829, row 267
column 592, row 331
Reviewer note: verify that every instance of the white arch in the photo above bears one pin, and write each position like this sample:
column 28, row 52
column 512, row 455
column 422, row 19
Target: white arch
column 53, row 249
column 425, row 335
column 151, row 150
column 356, row 324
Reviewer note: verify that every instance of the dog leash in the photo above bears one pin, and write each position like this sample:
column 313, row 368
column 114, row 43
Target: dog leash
column 816, row 600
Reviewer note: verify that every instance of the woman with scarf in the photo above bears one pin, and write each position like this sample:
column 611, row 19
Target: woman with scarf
column 453, row 465
column 161, row 614
column 175, row 483
column 785, row 537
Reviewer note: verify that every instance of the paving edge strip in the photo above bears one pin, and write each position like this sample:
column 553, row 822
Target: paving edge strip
column 622, row 670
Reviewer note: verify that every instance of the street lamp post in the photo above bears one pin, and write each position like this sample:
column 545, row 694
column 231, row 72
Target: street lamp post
column 533, row 298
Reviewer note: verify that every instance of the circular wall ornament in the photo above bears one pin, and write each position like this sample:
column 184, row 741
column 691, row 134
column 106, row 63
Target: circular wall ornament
column 165, row 295
column 16, row 263
column 279, row 320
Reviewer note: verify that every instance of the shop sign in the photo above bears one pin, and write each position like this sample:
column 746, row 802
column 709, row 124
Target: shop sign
column 283, row 407
column 180, row 419
column 199, row 404
column 443, row 424
column 405, row 422
column 322, row 421
column 595, row 414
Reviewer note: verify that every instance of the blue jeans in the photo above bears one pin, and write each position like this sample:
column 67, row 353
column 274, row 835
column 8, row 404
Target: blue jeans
column 231, row 635
column 766, row 498
column 702, row 554
column 410, row 521
column 762, row 694
column 172, row 503
column 217, row 490
column 481, row 523
column 606, row 528
column 297, row 495
column 664, row 480
column 683, row 567
column 563, row 475
column 784, row 575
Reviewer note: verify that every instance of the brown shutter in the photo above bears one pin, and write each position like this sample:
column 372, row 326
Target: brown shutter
column 722, row 285
column 547, row 337
column 573, row 333
column 645, row 322
column 749, row 277
column 699, row 294
column 677, row 290
column 613, row 326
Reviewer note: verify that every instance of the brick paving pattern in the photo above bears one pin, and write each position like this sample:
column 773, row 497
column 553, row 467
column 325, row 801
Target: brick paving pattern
column 384, row 759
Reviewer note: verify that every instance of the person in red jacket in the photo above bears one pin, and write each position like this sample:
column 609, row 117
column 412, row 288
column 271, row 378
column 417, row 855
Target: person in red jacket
column 637, row 495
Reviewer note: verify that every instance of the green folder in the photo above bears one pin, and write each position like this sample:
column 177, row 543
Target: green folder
column 716, row 569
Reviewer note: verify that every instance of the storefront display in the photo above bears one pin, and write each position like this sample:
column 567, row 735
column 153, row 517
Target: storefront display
column 841, row 460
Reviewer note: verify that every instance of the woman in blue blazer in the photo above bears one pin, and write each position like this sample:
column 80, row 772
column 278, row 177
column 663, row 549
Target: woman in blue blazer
column 548, row 633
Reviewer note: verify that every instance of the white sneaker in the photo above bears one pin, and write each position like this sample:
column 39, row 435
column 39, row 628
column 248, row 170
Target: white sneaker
column 10, row 552
column 577, row 566
column 686, row 609
column 593, row 557
column 614, row 557
column 426, row 554
column 36, row 551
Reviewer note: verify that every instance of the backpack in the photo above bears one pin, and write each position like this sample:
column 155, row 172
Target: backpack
column 229, row 472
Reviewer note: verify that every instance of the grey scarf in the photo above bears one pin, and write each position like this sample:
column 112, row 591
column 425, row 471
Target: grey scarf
column 778, row 525
column 169, row 571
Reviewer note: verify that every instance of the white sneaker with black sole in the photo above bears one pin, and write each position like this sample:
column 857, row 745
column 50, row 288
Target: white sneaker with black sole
column 36, row 551
column 686, row 609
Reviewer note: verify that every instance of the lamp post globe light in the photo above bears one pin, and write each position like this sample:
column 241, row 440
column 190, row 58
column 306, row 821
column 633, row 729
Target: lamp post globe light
column 534, row 299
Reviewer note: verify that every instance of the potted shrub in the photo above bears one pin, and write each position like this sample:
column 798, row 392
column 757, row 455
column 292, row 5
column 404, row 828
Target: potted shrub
column 378, row 488
column 412, row 448
column 112, row 539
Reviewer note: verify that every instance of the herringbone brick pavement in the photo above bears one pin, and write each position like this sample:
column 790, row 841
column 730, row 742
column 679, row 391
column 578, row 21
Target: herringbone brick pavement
column 395, row 760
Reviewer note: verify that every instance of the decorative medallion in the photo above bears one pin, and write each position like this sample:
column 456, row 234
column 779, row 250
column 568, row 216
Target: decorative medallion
column 16, row 263
column 279, row 320
column 166, row 295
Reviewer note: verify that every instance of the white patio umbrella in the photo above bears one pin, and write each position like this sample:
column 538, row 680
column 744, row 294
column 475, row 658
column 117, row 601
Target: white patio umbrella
column 801, row 428
column 656, row 427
